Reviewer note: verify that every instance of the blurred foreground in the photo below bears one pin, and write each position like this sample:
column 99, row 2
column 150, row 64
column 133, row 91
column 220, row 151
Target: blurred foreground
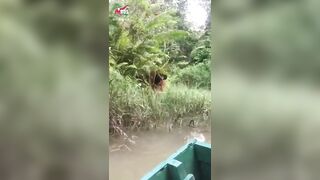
column 266, row 90
column 53, row 90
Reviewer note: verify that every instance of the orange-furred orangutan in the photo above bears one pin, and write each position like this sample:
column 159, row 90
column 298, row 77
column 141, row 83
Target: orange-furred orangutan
column 157, row 81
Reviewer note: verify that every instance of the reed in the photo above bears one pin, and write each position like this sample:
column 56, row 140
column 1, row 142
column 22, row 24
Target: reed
column 133, row 107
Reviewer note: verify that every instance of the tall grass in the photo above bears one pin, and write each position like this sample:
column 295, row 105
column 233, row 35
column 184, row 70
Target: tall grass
column 134, row 107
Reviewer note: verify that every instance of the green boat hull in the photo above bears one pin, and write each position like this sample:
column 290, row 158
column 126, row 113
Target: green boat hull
column 192, row 161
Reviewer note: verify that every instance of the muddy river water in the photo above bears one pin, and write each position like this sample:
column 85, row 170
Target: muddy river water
column 131, row 159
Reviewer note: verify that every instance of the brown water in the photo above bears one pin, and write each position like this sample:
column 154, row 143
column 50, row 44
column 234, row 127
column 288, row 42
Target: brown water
column 150, row 148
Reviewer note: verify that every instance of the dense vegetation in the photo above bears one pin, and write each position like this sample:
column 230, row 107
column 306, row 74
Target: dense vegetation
column 155, row 38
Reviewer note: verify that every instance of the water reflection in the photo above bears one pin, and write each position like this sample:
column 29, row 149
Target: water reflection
column 131, row 159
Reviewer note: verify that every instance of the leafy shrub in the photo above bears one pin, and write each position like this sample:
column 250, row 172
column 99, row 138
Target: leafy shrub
column 201, row 54
column 197, row 76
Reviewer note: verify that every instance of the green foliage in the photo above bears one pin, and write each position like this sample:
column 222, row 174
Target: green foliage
column 136, row 41
column 197, row 76
column 134, row 107
column 200, row 54
column 202, row 50
column 152, row 38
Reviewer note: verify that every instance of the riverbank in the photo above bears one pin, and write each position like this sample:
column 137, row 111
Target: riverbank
column 132, row 107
